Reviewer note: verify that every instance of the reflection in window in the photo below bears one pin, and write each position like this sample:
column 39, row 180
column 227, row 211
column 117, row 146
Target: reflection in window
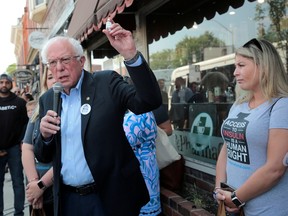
column 37, row 2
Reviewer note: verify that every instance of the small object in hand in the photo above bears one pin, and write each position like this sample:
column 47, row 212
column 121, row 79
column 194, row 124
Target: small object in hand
column 215, row 194
column 108, row 24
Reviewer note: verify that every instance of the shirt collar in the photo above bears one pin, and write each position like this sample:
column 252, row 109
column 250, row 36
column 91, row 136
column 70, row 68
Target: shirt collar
column 79, row 83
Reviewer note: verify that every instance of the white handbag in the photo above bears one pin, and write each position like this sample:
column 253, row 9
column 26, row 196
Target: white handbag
column 165, row 151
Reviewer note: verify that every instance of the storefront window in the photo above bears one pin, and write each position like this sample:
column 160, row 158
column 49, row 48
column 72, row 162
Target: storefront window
column 201, row 84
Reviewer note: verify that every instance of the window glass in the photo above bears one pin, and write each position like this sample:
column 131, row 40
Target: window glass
column 204, row 55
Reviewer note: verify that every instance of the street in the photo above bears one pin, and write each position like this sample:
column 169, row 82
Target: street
column 9, row 197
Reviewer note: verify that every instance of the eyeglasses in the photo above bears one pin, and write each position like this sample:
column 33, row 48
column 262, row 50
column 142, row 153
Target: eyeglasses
column 255, row 42
column 64, row 60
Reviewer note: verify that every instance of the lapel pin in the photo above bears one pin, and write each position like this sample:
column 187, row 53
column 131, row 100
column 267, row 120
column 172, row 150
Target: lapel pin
column 85, row 109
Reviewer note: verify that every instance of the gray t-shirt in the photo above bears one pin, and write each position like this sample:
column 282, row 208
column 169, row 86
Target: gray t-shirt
column 30, row 135
column 245, row 132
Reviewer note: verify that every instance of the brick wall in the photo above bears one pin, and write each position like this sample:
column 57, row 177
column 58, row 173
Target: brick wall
column 175, row 205
column 200, row 179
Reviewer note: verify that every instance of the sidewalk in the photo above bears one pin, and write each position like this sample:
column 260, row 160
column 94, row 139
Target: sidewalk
column 9, row 197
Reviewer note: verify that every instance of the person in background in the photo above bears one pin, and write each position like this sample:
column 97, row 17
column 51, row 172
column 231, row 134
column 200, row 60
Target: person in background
column 198, row 96
column 13, row 115
column 162, row 119
column 171, row 176
column 30, row 106
column 160, row 114
column 16, row 90
column 181, row 94
column 164, row 94
column 94, row 173
column 179, row 110
column 37, row 172
column 194, row 87
column 253, row 159
column 141, row 132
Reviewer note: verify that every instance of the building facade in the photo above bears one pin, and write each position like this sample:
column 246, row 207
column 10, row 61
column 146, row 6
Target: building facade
column 187, row 38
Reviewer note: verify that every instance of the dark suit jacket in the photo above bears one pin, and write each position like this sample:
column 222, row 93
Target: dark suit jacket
column 109, row 156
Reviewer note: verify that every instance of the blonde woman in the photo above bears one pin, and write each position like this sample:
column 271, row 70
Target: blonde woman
column 253, row 159
column 39, row 175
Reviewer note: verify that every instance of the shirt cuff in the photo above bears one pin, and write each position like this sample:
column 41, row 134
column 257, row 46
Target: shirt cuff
column 135, row 61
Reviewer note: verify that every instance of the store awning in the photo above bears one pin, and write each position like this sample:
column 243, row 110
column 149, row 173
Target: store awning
column 163, row 18
column 89, row 15
column 176, row 14
column 83, row 18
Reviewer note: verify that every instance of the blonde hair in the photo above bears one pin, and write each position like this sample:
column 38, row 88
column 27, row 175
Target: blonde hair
column 44, row 88
column 273, row 77
column 31, row 103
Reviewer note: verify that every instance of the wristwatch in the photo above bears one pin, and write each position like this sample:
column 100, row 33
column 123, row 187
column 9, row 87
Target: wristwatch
column 134, row 59
column 236, row 201
column 41, row 185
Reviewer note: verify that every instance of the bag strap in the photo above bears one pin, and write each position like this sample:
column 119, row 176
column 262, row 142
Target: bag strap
column 271, row 108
